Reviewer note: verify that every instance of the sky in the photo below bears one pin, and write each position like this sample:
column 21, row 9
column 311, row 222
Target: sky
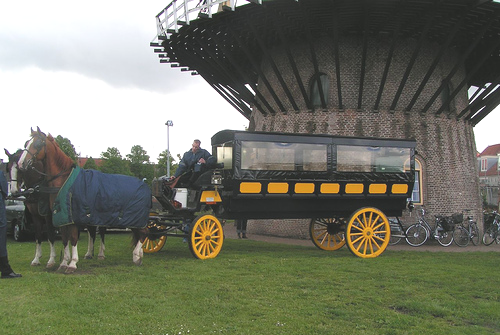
column 84, row 70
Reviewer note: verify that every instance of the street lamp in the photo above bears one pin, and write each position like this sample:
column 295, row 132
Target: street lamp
column 169, row 124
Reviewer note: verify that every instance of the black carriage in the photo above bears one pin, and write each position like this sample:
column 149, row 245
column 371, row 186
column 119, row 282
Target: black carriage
column 347, row 186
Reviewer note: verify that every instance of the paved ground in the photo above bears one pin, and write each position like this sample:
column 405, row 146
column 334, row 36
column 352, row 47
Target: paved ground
column 433, row 246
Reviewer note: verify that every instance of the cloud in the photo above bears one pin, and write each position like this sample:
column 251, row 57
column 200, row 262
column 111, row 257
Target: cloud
column 106, row 40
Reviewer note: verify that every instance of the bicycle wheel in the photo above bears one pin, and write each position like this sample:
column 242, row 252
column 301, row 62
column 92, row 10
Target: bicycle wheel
column 445, row 238
column 396, row 232
column 475, row 238
column 461, row 236
column 416, row 235
column 394, row 240
column 489, row 235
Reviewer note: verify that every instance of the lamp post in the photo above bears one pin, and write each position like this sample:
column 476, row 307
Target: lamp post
column 169, row 124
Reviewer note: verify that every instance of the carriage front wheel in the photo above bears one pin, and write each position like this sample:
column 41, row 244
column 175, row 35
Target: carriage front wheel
column 368, row 232
column 327, row 233
column 206, row 237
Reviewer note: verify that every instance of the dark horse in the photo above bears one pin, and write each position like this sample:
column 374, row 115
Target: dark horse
column 56, row 169
column 39, row 219
column 36, row 202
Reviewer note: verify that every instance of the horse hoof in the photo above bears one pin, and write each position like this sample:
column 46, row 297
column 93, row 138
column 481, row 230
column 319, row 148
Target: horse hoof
column 138, row 262
column 88, row 257
column 35, row 264
column 62, row 268
column 101, row 257
column 50, row 265
column 70, row 270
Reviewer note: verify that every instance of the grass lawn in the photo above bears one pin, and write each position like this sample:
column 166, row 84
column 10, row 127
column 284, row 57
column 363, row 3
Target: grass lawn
column 253, row 288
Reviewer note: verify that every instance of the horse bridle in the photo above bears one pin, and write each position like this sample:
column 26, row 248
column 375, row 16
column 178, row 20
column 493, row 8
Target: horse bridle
column 40, row 144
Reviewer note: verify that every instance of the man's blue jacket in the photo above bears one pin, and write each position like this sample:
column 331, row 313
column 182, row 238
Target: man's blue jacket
column 189, row 161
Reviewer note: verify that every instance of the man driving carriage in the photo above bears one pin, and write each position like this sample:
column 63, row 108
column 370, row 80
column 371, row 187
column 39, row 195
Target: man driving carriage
column 193, row 163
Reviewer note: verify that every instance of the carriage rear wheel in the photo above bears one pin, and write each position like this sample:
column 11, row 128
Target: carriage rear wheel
column 368, row 232
column 206, row 237
column 153, row 245
column 327, row 233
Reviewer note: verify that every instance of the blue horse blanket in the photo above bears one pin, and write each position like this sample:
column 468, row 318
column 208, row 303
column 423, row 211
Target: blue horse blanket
column 90, row 197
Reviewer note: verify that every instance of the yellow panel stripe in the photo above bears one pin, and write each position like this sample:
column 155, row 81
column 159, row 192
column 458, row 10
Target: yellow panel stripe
column 377, row 188
column 304, row 188
column 277, row 188
column 330, row 188
column 250, row 187
column 399, row 189
column 354, row 188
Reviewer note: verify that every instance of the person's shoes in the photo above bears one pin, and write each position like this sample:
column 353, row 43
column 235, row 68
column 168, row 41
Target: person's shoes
column 185, row 240
column 11, row 275
column 239, row 235
column 244, row 235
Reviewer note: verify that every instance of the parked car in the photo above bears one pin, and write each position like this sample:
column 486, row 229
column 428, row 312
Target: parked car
column 18, row 222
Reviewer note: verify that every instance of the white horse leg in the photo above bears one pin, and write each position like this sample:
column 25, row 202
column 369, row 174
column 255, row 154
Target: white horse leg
column 90, row 247
column 72, row 265
column 65, row 261
column 137, row 254
column 101, row 250
column 52, row 256
column 38, row 255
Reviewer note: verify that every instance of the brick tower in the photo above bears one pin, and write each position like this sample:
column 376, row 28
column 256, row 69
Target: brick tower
column 377, row 68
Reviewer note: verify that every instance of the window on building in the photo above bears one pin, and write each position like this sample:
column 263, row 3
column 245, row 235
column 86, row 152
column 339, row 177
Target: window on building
column 319, row 99
column 417, row 194
column 484, row 164
column 445, row 95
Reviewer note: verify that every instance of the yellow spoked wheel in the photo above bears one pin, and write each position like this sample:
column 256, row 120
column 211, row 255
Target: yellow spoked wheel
column 368, row 232
column 327, row 233
column 153, row 245
column 206, row 237
column 154, row 242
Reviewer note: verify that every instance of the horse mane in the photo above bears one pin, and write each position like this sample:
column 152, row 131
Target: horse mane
column 60, row 158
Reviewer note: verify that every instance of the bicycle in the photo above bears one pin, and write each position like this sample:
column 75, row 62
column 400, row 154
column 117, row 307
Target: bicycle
column 466, row 232
column 397, row 231
column 418, row 233
column 492, row 232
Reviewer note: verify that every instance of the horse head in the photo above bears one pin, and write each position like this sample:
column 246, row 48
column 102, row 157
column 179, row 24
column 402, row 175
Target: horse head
column 13, row 170
column 43, row 156
column 34, row 150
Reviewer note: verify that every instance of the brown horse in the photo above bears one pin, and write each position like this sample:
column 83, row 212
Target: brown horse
column 57, row 167
column 33, row 179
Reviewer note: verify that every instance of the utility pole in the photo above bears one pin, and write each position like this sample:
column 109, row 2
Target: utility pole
column 169, row 124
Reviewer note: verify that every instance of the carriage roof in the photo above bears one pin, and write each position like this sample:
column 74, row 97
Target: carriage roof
column 225, row 136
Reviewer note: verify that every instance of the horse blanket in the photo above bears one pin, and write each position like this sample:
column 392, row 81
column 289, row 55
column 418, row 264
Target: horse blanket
column 90, row 197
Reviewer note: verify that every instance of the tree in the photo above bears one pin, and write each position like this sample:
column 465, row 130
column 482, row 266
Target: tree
column 162, row 163
column 66, row 147
column 138, row 159
column 90, row 164
column 114, row 163
column 138, row 155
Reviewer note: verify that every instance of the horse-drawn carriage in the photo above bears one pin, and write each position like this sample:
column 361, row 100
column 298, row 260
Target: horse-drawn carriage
column 347, row 186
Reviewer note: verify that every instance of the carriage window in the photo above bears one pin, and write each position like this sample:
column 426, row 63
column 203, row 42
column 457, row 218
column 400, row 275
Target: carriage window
column 225, row 155
column 417, row 194
column 371, row 159
column 283, row 156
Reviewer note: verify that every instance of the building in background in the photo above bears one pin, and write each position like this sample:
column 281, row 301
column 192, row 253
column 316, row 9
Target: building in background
column 489, row 175
column 378, row 68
